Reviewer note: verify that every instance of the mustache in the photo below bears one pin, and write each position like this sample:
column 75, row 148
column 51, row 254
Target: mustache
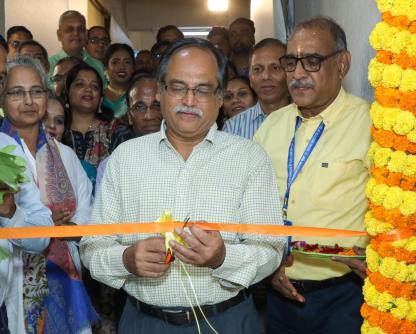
column 188, row 110
column 301, row 83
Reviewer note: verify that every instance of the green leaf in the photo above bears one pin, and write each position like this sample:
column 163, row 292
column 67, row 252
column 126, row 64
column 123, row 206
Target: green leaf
column 4, row 254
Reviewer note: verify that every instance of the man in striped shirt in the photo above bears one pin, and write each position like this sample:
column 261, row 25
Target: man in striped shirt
column 269, row 82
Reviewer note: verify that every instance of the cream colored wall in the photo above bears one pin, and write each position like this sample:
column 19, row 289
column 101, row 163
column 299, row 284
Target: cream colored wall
column 262, row 13
column 94, row 17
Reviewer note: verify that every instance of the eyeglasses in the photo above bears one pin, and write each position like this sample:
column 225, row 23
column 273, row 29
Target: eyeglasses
column 310, row 63
column 141, row 108
column 228, row 96
column 57, row 78
column 102, row 41
column 14, row 44
column 18, row 94
column 201, row 93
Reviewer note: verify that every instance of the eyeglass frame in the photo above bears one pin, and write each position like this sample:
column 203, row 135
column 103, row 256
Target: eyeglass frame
column 42, row 92
column 99, row 41
column 147, row 108
column 300, row 59
column 193, row 90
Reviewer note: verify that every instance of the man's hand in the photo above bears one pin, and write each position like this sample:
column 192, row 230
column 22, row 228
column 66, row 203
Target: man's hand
column 357, row 266
column 8, row 208
column 206, row 248
column 282, row 284
column 146, row 258
column 61, row 217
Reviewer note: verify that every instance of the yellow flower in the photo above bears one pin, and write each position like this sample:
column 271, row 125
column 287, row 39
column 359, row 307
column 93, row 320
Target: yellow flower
column 409, row 168
column 387, row 38
column 412, row 136
column 411, row 47
column 375, row 72
column 405, row 122
column 392, row 76
column 393, row 198
column 373, row 259
column 376, row 114
column 411, row 244
column 384, row 5
column 389, row 267
column 375, row 226
column 389, row 117
column 408, row 206
column 370, row 186
column 408, row 83
column 373, row 148
column 382, row 157
column 402, row 308
column 411, row 316
column 401, row 40
column 379, row 193
column 404, row 7
column 397, row 161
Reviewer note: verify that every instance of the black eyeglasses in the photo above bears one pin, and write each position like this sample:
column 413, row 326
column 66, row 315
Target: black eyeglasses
column 141, row 108
column 201, row 93
column 102, row 41
column 310, row 63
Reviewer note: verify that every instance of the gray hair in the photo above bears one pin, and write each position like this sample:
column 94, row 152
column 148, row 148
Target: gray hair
column 326, row 24
column 29, row 62
column 194, row 43
column 70, row 13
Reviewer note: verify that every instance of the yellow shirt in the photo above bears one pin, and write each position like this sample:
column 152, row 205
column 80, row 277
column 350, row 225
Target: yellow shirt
column 329, row 191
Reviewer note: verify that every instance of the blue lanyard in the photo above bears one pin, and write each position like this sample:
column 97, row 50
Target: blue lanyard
column 292, row 173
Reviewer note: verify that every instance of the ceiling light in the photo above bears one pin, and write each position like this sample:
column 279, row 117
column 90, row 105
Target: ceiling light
column 217, row 5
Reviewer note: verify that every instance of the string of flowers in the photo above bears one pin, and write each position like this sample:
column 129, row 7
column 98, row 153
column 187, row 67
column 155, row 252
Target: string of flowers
column 389, row 289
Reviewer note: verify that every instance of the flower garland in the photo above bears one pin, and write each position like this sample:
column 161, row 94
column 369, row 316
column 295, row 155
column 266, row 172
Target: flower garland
column 390, row 290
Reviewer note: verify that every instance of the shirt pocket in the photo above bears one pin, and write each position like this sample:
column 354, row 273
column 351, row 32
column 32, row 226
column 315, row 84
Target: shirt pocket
column 338, row 183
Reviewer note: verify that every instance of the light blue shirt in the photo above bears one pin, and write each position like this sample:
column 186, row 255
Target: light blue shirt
column 245, row 124
column 29, row 212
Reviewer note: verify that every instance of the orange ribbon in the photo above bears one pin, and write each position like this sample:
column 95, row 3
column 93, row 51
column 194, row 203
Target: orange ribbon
column 135, row 228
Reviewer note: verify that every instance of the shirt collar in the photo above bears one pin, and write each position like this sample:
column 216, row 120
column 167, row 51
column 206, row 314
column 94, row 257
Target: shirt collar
column 211, row 137
column 257, row 111
column 63, row 54
column 332, row 112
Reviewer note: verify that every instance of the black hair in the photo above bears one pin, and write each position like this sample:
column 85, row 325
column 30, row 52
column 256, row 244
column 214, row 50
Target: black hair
column 3, row 43
column 117, row 47
column 97, row 27
column 33, row 43
column 15, row 29
column 167, row 28
column 246, row 21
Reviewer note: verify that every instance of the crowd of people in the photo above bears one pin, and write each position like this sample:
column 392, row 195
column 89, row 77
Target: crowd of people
column 218, row 130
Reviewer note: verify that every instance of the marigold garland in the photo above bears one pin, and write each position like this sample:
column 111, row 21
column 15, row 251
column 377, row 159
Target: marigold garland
column 393, row 98
column 390, row 139
column 393, row 217
column 396, row 289
column 386, row 249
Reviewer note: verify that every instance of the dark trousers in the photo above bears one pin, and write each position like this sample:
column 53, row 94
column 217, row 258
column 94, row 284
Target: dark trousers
column 4, row 324
column 241, row 318
column 327, row 311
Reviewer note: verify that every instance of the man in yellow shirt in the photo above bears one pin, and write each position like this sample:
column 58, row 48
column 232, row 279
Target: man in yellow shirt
column 318, row 146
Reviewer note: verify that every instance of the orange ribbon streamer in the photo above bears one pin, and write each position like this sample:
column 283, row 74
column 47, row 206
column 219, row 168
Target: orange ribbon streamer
column 135, row 228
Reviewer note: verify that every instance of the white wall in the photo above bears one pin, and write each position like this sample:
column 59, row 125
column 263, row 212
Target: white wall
column 263, row 16
column 358, row 18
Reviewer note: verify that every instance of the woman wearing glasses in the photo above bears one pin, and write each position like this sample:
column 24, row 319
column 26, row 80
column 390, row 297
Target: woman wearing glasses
column 52, row 278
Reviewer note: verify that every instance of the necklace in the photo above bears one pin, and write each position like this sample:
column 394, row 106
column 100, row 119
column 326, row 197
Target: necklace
column 116, row 91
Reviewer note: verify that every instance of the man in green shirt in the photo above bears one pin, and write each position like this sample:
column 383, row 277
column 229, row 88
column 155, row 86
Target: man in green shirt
column 72, row 33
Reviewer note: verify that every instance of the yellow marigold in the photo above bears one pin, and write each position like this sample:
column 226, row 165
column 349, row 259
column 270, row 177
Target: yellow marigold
column 389, row 267
column 389, row 117
column 382, row 157
column 410, row 166
column 370, row 186
column 375, row 72
column 373, row 259
column 405, row 122
column 404, row 272
column 397, row 161
column 411, row 245
column 376, row 114
column 375, row 35
column 408, row 206
column 391, row 76
column 400, row 243
column 375, row 226
column 373, row 148
column 411, row 47
column 404, row 7
column 384, row 5
column 387, row 38
column 379, row 193
column 408, row 83
column 412, row 312
column 393, row 198
column 402, row 308
column 401, row 40
column 412, row 136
